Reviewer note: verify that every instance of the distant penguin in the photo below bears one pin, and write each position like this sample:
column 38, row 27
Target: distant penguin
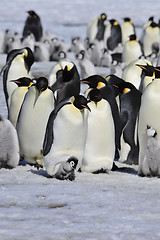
column 100, row 144
column 33, row 25
column 131, row 50
column 14, row 42
column 115, row 35
column 9, row 154
column 127, row 29
column 130, row 101
column 29, row 41
column 150, row 38
column 148, row 115
column 106, row 58
column 64, row 80
column 42, row 51
column 65, row 136
column 150, row 20
column 77, row 44
column 151, row 163
column 87, row 68
column 32, row 120
column 96, row 28
column 133, row 73
column 18, row 64
column 17, row 98
column 95, row 53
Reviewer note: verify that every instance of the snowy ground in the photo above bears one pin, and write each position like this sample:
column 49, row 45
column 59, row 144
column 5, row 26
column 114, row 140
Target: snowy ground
column 114, row 206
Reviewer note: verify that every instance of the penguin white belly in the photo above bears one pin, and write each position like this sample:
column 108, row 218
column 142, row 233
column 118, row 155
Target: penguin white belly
column 149, row 115
column 127, row 30
column 17, row 98
column 100, row 143
column 151, row 36
column 70, row 128
column 131, row 52
column 32, row 124
column 17, row 70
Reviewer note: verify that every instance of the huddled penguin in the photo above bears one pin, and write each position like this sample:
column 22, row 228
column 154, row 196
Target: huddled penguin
column 151, row 39
column 152, row 157
column 134, row 74
column 33, row 25
column 64, row 80
column 65, row 136
column 18, row 64
column 17, row 98
column 131, row 50
column 96, row 28
column 42, row 51
column 9, row 154
column 100, row 144
column 148, row 116
column 130, row 101
column 115, row 36
column 32, row 121
column 87, row 68
column 127, row 29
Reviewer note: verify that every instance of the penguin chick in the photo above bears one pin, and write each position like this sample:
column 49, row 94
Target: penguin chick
column 86, row 66
column 17, row 98
column 151, row 163
column 42, row 51
column 66, row 170
column 18, row 64
column 33, row 25
column 9, row 154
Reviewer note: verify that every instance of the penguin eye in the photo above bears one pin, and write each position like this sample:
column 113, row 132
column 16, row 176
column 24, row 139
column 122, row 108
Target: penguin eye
column 72, row 164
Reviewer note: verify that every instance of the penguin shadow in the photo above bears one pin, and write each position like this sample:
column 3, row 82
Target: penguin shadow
column 125, row 169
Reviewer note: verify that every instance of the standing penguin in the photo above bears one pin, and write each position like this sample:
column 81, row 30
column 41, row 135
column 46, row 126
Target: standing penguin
column 65, row 136
column 127, row 28
column 100, row 144
column 18, row 64
column 131, row 50
column 130, row 101
column 17, row 98
column 151, row 39
column 33, row 25
column 115, row 37
column 32, row 120
column 9, row 154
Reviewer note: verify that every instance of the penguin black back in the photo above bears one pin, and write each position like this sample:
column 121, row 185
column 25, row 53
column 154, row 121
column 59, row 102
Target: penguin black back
column 116, row 35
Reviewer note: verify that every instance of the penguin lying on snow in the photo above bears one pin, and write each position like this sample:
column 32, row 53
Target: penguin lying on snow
column 151, row 163
column 65, row 136
column 9, row 154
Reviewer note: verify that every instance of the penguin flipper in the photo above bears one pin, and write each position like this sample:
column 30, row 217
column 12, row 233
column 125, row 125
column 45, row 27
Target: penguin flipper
column 49, row 135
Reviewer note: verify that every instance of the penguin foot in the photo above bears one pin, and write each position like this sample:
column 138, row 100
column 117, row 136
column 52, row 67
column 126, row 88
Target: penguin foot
column 100, row 171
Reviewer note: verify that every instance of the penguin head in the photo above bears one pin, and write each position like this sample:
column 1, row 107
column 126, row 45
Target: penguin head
column 95, row 81
column 124, row 87
column 133, row 37
column 80, row 102
column 153, row 24
column 127, row 19
column 103, row 17
column 32, row 14
column 73, row 162
column 80, row 55
column 94, row 95
column 113, row 22
column 147, row 70
column 151, row 132
column 23, row 82
column 62, row 55
column 41, row 84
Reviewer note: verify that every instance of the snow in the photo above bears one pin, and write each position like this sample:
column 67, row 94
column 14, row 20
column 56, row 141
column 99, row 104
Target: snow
column 117, row 205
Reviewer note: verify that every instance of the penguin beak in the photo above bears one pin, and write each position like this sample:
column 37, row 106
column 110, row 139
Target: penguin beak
column 15, row 81
column 141, row 66
column 84, row 81
column 86, row 106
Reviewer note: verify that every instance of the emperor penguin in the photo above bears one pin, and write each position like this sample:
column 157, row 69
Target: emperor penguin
column 87, row 68
column 17, row 98
column 127, row 29
column 130, row 101
column 96, row 28
column 131, row 50
column 18, row 64
column 151, row 159
column 9, row 145
column 100, row 144
column 33, row 25
column 150, row 20
column 98, row 82
column 32, row 121
column 148, row 116
column 133, row 73
column 64, row 80
column 115, row 36
column 65, row 136
column 151, row 38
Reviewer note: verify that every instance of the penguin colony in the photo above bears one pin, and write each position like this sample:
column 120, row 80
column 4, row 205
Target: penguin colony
column 77, row 120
